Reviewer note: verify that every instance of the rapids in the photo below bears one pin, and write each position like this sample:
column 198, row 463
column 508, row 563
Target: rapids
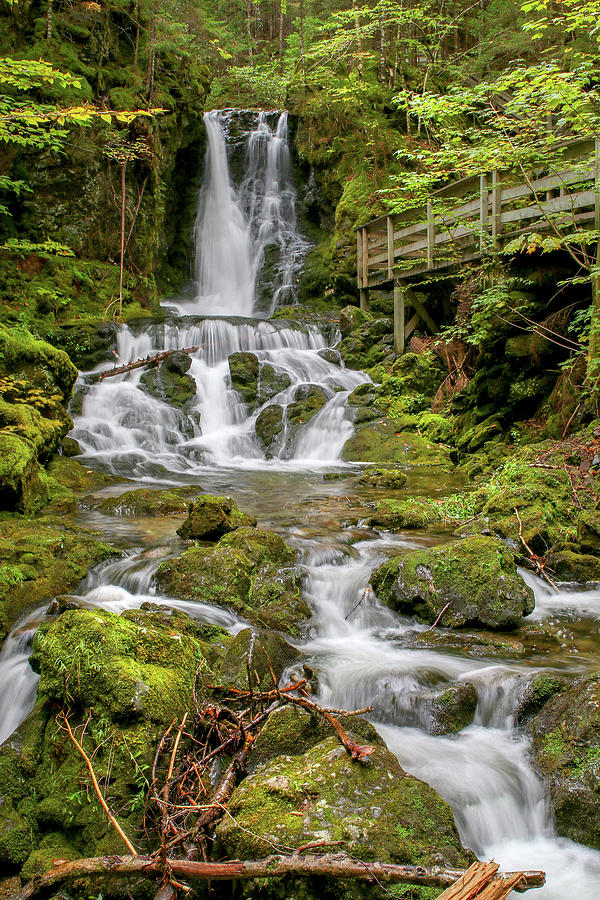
column 362, row 651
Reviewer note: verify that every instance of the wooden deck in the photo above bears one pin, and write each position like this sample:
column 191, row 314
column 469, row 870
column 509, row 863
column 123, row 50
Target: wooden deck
column 471, row 219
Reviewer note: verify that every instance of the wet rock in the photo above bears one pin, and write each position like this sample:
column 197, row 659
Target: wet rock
column 331, row 356
column 271, row 382
column 588, row 530
column 367, row 343
column 363, row 395
column 375, row 808
column 72, row 474
column 385, row 442
column 575, row 567
column 268, row 427
column 210, row 517
column 308, row 400
column 16, row 839
column 471, row 644
column 250, row 570
column 566, row 748
column 537, row 693
column 146, row 502
column 69, row 447
column 352, row 317
column 168, row 381
column 244, row 369
column 266, row 653
column 398, row 515
column 453, row 709
column 475, row 579
column 383, row 477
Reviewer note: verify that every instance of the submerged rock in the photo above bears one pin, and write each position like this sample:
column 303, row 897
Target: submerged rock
column 210, row 517
column 383, row 476
column 566, row 748
column 249, row 570
column 453, row 709
column 146, row 502
column 475, row 579
column 169, row 382
column 386, row 442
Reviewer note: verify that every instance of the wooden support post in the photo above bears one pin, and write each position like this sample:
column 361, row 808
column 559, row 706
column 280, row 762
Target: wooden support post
column 484, row 202
column 364, row 291
column 390, row 247
column 359, row 258
column 430, row 234
column 496, row 207
column 399, row 316
column 594, row 341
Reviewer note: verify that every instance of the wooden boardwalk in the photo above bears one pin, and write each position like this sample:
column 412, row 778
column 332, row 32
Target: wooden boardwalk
column 471, row 219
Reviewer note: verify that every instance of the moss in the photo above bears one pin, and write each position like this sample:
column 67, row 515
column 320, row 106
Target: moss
column 322, row 794
column 588, row 530
column 16, row 837
column 249, row 571
column 147, row 502
column 76, row 477
column 244, row 373
column 383, row 476
column 210, row 517
column 266, row 654
column 398, row 515
column 454, row 709
column 386, row 442
column 268, row 426
column 409, row 384
column 41, row 558
column 309, row 399
column 474, row 581
column 538, row 692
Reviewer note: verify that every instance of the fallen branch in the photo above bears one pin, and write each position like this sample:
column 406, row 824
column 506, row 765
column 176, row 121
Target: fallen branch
column 148, row 361
column 337, row 866
column 538, row 562
column 440, row 615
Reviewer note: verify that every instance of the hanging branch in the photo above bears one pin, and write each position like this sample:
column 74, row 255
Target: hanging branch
column 148, row 361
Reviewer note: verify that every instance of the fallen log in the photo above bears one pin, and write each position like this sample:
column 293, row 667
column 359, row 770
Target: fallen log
column 147, row 361
column 333, row 866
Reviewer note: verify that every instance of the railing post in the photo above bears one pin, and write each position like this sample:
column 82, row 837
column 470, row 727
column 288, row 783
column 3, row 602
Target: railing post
column 364, row 291
column 484, row 203
column 594, row 343
column 496, row 208
column 390, row 247
column 430, row 234
column 399, row 316
column 359, row 258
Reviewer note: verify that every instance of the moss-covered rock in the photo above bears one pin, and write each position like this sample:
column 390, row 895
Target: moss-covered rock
column 386, row 442
column 580, row 567
column 169, row 380
column 147, row 502
column 271, row 381
column 210, row 517
column 249, row 570
column 375, row 808
column 41, row 558
column 265, row 653
column 75, row 476
column 368, row 343
column 588, row 530
column 537, row 693
column 16, row 837
column 475, row 579
column 308, row 400
column 268, row 426
column 243, row 370
column 453, row 709
column 409, row 384
column 352, row 317
column 383, row 477
column 398, row 515
column 566, row 747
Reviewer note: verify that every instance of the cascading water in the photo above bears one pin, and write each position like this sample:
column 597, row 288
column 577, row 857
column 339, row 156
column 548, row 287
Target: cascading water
column 364, row 654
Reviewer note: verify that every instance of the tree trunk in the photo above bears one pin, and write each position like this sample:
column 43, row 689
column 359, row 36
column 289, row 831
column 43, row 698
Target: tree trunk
column 249, row 11
column 359, row 44
column 301, row 36
column 150, row 70
column 282, row 12
column 123, row 166
column 49, row 20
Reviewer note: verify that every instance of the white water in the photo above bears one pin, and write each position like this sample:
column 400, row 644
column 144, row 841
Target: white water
column 362, row 651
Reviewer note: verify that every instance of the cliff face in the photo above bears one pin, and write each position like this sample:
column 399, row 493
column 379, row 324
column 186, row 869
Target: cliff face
column 75, row 195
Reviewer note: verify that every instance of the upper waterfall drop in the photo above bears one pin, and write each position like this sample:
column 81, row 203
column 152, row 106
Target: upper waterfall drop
column 249, row 250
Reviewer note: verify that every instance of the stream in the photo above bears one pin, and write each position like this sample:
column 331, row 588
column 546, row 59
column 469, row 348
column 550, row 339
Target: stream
column 362, row 651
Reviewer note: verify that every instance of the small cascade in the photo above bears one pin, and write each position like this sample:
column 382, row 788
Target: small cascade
column 19, row 682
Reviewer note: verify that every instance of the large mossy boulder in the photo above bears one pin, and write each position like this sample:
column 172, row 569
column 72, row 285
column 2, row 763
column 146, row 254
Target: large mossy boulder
column 376, row 809
column 169, row 380
column 309, row 399
column 401, row 515
column 271, row 382
column 146, row 502
column 369, row 341
column 36, row 382
column 243, row 371
column 250, row 570
column 383, row 477
column 453, row 709
column 268, row 427
column 122, row 677
column 474, row 580
column 566, row 748
column 386, row 442
column 259, row 655
column 210, row 517
column 40, row 558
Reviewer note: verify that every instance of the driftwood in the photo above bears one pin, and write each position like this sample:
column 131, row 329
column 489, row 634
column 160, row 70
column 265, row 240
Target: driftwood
column 482, row 882
column 147, row 361
column 335, row 866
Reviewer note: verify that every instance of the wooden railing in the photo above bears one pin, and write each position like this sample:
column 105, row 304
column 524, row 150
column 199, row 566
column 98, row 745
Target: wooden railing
column 492, row 213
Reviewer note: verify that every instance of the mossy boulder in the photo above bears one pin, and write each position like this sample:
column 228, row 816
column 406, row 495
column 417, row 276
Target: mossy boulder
column 268, row 427
column 588, row 530
column 249, row 570
column 41, row 558
column 210, row 517
column 383, row 477
column 146, row 502
column 453, row 709
column 475, row 579
column 566, row 748
column 16, row 837
column 537, row 692
column 386, row 442
column 271, row 382
column 139, row 665
column 265, row 653
column 580, row 567
column 368, row 343
column 308, row 400
column 243, row 370
column 169, row 380
column 398, row 515
column 76, row 476
column 375, row 808
column 352, row 317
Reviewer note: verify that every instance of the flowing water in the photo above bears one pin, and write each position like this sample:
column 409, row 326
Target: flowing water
column 363, row 652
